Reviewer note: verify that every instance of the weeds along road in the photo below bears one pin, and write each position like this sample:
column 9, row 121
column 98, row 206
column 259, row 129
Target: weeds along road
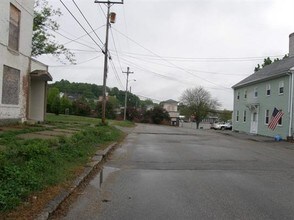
column 163, row 172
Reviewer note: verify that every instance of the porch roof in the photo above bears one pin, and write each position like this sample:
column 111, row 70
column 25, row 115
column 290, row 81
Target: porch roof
column 43, row 75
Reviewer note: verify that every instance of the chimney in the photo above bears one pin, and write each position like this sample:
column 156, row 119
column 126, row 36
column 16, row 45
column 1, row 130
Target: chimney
column 291, row 45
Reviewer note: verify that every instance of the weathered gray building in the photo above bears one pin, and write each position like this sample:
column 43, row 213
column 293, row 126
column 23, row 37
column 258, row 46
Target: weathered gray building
column 22, row 80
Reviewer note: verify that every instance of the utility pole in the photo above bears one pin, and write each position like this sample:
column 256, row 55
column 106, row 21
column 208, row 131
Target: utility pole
column 126, row 95
column 108, row 21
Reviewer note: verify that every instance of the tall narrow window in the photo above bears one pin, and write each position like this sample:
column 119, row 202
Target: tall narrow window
column 266, row 117
column 11, row 85
column 238, row 95
column 281, row 87
column 244, row 116
column 237, row 116
column 14, row 28
column 255, row 92
column 268, row 89
column 245, row 94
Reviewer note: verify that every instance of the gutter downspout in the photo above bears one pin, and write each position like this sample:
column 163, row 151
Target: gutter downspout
column 291, row 103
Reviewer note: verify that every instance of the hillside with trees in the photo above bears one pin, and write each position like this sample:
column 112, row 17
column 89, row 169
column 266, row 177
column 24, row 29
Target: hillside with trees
column 82, row 99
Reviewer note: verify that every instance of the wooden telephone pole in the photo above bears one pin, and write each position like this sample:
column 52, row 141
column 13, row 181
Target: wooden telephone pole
column 109, row 19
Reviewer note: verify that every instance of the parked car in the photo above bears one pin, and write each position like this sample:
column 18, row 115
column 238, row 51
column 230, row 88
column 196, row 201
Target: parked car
column 222, row 126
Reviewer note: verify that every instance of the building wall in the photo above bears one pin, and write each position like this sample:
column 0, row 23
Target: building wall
column 16, row 59
column 264, row 102
column 170, row 107
column 37, row 100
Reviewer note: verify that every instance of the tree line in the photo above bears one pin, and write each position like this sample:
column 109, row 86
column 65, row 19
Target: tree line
column 82, row 99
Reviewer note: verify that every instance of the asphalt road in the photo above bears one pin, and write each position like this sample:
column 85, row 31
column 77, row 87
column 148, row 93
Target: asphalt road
column 165, row 172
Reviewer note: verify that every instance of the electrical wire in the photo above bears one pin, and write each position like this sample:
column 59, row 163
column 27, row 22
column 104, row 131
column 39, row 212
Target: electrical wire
column 87, row 21
column 83, row 35
column 202, row 58
column 176, row 66
column 200, row 71
column 82, row 62
column 116, row 50
column 167, row 77
column 116, row 75
column 81, row 25
column 72, row 40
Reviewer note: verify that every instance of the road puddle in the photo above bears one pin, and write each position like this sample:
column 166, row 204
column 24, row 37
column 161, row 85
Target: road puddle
column 102, row 176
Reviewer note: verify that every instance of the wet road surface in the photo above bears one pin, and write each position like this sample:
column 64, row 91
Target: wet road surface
column 163, row 172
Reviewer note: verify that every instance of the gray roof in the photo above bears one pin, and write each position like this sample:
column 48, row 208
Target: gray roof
column 170, row 101
column 273, row 70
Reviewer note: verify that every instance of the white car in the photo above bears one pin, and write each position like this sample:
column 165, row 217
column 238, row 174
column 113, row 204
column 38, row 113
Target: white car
column 221, row 126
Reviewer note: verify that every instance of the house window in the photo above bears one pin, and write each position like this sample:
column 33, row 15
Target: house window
column 238, row 95
column 14, row 27
column 244, row 116
column 237, row 116
column 255, row 92
column 280, row 121
column 281, row 87
column 11, row 85
column 245, row 94
column 266, row 117
column 268, row 89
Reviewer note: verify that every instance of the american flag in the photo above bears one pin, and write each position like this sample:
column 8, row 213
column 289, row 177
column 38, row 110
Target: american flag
column 275, row 118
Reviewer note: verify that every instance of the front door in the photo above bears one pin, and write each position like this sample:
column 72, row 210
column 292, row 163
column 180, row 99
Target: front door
column 254, row 123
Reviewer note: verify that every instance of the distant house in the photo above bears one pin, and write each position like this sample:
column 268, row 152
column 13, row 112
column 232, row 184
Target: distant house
column 171, row 106
column 23, row 80
column 256, row 97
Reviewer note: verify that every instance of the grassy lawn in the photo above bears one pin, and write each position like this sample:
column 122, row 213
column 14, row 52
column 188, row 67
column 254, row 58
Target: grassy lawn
column 29, row 166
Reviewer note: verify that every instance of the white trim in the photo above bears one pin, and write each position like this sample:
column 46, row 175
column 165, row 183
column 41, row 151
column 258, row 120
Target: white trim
column 291, row 103
column 265, row 117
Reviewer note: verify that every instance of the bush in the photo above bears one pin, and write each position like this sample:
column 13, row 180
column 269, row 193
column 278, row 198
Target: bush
column 28, row 166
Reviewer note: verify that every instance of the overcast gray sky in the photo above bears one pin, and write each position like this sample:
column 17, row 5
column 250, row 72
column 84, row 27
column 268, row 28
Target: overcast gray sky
column 174, row 45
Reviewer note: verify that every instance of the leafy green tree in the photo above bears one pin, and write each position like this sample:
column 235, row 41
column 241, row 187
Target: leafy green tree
column 43, row 40
column 55, row 106
column 52, row 94
column 145, row 103
column 81, row 107
column 114, row 101
column 65, row 104
column 268, row 61
column 158, row 115
column 199, row 103
column 109, row 110
column 225, row 115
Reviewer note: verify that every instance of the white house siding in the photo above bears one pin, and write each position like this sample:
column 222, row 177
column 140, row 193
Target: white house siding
column 16, row 59
column 264, row 102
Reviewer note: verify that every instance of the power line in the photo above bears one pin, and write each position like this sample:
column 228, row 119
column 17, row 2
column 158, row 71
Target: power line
column 200, row 71
column 167, row 77
column 81, row 25
column 116, row 75
column 202, row 58
column 87, row 21
column 83, row 35
column 116, row 49
column 178, row 67
column 72, row 40
column 85, row 61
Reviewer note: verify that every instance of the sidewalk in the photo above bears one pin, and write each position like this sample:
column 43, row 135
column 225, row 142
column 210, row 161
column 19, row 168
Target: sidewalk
column 245, row 136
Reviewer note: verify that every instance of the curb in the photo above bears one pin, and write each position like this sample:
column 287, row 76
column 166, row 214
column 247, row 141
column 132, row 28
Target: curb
column 96, row 160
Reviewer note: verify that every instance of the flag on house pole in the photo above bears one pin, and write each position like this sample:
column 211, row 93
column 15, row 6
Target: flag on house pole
column 277, row 114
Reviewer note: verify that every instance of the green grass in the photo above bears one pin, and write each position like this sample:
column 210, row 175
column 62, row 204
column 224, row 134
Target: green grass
column 28, row 166
column 71, row 119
